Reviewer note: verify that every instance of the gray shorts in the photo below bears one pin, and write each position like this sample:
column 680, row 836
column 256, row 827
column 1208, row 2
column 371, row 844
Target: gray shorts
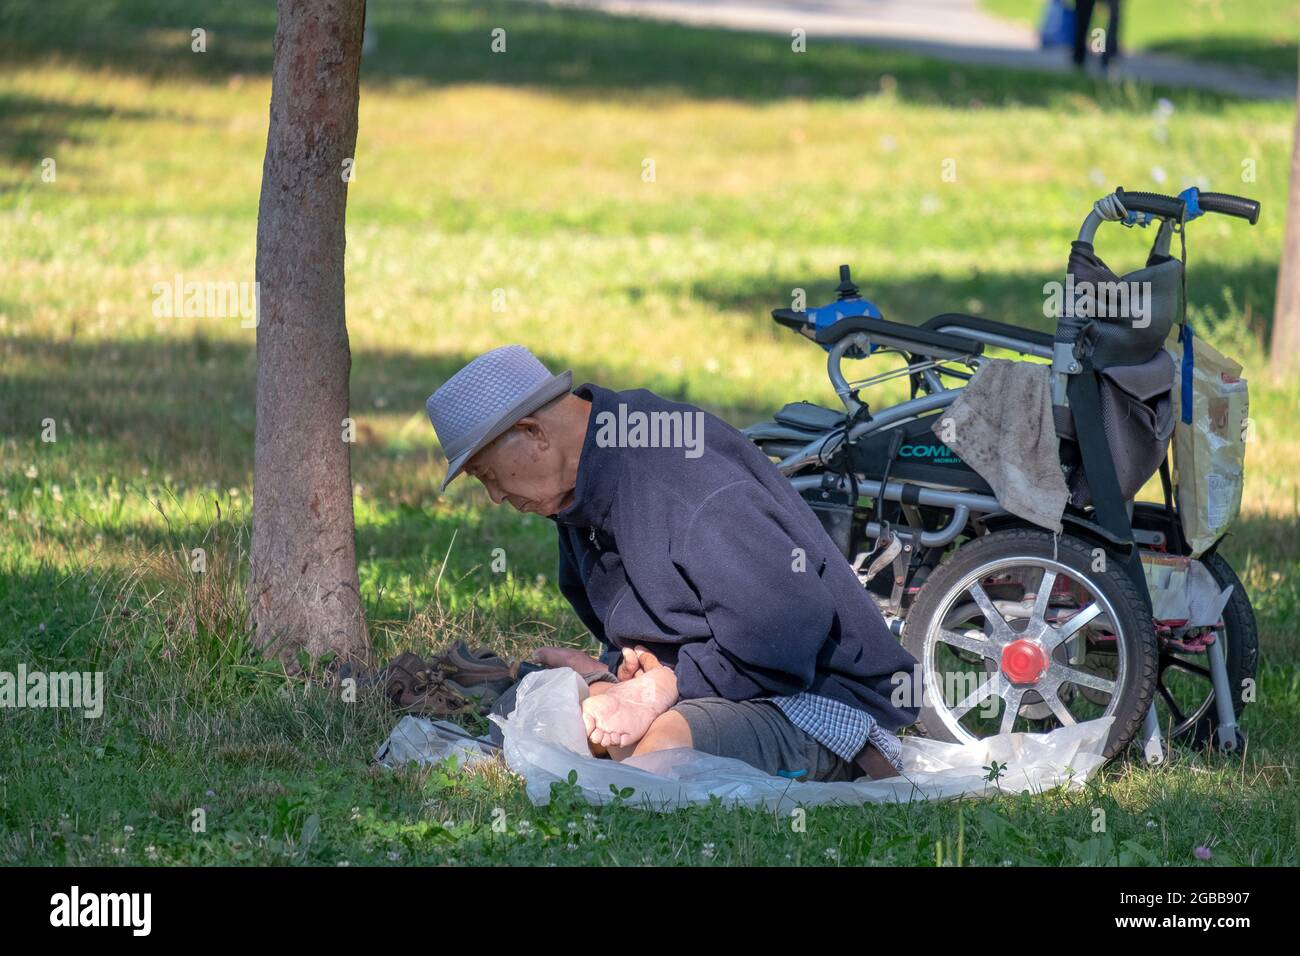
column 758, row 733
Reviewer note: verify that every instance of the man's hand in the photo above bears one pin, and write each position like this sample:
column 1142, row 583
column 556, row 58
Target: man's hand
column 621, row 715
column 584, row 664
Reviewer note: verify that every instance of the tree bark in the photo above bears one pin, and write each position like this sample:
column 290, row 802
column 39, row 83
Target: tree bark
column 1286, row 313
column 303, row 589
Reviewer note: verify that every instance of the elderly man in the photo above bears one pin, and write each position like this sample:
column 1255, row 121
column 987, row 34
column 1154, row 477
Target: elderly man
column 731, row 623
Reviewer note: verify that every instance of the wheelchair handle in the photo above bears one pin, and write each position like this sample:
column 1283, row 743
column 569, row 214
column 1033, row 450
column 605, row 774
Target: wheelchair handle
column 1165, row 207
column 1170, row 208
column 1229, row 205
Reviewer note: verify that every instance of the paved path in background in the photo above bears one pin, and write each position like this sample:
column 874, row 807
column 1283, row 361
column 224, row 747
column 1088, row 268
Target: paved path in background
column 956, row 30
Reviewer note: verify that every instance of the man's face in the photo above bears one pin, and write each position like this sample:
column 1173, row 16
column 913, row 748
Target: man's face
column 523, row 467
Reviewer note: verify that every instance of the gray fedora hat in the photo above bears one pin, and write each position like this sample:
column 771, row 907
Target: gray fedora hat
column 480, row 402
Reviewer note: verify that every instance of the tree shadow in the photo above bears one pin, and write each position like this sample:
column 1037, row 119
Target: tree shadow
column 44, row 614
column 31, row 127
column 184, row 407
column 576, row 52
column 1016, row 298
column 1277, row 56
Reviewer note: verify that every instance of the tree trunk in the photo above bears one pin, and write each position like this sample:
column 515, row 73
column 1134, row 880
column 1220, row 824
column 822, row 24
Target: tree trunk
column 1286, row 313
column 303, row 589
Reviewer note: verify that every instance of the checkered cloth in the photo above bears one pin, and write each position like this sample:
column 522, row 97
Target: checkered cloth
column 841, row 729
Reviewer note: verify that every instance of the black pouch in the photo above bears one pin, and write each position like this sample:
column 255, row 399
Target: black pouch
column 1137, row 417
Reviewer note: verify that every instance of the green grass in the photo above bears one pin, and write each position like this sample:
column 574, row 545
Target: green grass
column 523, row 172
column 1261, row 34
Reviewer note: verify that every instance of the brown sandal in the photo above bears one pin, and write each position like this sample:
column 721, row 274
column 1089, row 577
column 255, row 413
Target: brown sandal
column 480, row 674
column 414, row 686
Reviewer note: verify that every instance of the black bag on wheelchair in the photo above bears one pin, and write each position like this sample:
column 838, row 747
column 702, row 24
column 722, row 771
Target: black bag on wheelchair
column 1129, row 318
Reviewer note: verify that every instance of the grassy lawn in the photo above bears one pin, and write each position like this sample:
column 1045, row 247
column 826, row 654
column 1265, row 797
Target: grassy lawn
column 517, row 179
column 1255, row 33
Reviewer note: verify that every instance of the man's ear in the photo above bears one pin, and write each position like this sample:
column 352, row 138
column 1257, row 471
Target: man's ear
column 534, row 429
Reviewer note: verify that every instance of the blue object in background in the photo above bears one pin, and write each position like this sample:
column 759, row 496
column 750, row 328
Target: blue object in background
column 1058, row 25
column 825, row 316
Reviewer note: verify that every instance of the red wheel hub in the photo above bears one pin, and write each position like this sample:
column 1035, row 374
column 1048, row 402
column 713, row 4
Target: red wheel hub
column 1023, row 662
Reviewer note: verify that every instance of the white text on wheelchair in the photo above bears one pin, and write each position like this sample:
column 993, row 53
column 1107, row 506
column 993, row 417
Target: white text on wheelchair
column 1098, row 300
column 636, row 429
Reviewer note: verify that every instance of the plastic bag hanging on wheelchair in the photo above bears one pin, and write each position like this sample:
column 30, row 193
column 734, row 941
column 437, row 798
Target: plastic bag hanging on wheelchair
column 1211, row 404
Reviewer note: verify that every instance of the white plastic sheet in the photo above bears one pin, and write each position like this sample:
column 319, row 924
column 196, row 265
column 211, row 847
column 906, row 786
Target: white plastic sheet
column 422, row 741
column 545, row 740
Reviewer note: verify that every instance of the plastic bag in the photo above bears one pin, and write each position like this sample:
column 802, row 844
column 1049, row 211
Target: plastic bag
column 545, row 741
column 1211, row 403
column 422, row 741
column 1183, row 589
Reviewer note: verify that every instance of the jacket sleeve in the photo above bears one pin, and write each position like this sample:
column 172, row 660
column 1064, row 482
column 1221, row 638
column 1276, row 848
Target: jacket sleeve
column 575, row 592
column 767, row 607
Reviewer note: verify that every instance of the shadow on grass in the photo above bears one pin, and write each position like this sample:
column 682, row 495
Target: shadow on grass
column 31, row 127
column 1013, row 297
column 45, row 614
column 1278, row 56
column 184, row 407
column 564, row 50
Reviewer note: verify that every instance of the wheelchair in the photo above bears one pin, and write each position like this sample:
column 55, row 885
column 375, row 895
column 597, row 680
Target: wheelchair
column 1017, row 628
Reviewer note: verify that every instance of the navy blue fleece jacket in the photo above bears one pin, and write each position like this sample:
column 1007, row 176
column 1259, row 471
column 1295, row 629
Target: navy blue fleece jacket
column 716, row 564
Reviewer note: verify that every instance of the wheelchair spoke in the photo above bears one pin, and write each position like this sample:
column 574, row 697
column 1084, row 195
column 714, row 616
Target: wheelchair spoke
column 1072, row 675
column 1058, row 707
column 969, row 642
column 1011, row 710
column 1178, row 664
column 1179, row 716
column 1045, row 585
column 992, row 616
column 1058, row 635
column 993, row 685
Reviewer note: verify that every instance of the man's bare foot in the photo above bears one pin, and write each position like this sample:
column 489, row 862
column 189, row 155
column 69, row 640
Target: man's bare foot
column 635, row 662
column 621, row 716
column 584, row 664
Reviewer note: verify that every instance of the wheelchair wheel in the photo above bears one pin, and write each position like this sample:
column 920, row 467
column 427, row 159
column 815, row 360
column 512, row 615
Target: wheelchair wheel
column 1017, row 631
